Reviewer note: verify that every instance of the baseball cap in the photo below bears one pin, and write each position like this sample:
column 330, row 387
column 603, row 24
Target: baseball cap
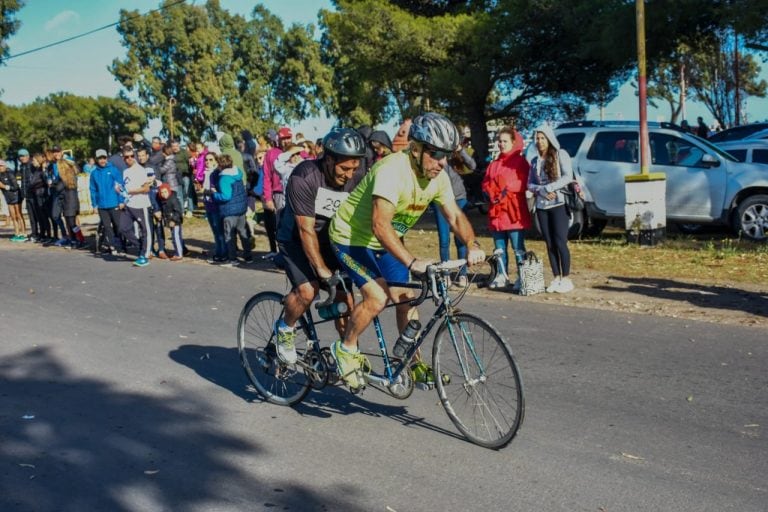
column 285, row 133
column 101, row 152
column 23, row 152
column 56, row 149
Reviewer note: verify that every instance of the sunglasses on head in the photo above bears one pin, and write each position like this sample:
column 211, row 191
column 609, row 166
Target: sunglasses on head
column 437, row 154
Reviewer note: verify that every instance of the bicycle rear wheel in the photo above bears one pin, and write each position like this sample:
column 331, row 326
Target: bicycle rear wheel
column 479, row 383
column 277, row 382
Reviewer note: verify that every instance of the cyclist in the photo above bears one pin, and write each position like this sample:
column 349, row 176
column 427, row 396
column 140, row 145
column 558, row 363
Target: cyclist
column 368, row 228
column 314, row 192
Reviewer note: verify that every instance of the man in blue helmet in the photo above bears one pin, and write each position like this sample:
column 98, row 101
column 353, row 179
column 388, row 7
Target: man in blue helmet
column 368, row 229
column 314, row 192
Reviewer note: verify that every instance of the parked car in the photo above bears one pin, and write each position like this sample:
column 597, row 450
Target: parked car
column 737, row 132
column 705, row 185
column 751, row 151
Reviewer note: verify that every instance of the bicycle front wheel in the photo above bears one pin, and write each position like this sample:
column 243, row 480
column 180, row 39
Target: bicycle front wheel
column 277, row 382
column 478, row 381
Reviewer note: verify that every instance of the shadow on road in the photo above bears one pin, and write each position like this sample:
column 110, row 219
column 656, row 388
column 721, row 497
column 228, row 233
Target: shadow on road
column 221, row 366
column 69, row 443
column 717, row 297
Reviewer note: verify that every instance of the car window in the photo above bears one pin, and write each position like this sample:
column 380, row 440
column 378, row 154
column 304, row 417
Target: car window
column 760, row 156
column 571, row 142
column 738, row 154
column 669, row 149
column 614, row 147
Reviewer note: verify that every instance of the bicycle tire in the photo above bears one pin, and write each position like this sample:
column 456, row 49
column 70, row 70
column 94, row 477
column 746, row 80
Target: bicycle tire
column 278, row 383
column 488, row 410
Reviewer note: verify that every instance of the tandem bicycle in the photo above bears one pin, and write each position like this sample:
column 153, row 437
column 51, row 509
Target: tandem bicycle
column 475, row 373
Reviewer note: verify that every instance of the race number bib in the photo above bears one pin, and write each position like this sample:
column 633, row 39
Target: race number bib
column 328, row 201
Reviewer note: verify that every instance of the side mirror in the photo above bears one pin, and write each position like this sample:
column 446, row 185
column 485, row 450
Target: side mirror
column 709, row 161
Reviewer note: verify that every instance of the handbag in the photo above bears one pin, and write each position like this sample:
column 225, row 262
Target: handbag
column 531, row 274
column 573, row 200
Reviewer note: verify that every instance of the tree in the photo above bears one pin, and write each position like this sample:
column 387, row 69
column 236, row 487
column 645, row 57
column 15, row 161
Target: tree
column 669, row 79
column 74, row 122
column 224, row 71
column 8, row 23
column 477, row 60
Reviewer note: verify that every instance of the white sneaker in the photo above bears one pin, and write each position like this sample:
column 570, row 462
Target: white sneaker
column 566, row 285
column 500, row 281
column 554, row 286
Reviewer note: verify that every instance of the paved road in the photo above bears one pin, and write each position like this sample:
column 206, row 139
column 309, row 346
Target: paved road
column 134, row 401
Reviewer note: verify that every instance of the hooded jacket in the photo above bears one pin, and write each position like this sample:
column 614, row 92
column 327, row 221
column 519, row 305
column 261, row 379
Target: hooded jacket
column 227, row 147
column 102, row 185
column 505, row 182
column 538, row 181
column 230, row 195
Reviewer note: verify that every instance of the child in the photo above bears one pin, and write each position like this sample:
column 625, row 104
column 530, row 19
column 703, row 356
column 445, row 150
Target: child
column 173, row 216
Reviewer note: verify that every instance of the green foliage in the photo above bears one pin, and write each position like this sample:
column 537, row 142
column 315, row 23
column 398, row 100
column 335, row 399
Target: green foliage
column 225, row 72
column 79, row 123
column 8, row 23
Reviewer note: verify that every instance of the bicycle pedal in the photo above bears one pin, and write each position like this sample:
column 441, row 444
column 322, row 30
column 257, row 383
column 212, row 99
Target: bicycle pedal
column 357, row 391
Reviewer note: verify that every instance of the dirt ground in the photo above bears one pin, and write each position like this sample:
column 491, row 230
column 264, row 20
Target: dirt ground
column 717, row 302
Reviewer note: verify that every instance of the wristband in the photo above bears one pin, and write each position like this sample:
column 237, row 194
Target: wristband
column 411, row 263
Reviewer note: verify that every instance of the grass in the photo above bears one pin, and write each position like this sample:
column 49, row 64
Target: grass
column 705, row 258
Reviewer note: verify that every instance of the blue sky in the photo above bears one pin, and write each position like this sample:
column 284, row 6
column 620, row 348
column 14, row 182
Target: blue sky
column 81, row 66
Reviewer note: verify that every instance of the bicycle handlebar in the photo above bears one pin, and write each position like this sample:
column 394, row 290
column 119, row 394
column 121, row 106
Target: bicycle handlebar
column 332, row 282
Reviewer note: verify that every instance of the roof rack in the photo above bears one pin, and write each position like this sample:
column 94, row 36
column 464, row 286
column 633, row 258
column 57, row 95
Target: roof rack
column 595, row 124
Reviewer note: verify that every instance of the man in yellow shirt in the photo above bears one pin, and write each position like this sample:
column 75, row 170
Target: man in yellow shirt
column 368, row 228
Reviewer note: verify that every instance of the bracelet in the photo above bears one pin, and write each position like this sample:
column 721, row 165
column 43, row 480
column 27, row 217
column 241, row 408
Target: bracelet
column 411, row 263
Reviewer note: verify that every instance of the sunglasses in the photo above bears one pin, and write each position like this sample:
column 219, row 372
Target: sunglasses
column 437, row 154
column 128, row 156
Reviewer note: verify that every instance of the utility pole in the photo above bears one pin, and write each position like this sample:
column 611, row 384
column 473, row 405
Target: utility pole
column 645, row 209
column 736, row 81
column 171, row 103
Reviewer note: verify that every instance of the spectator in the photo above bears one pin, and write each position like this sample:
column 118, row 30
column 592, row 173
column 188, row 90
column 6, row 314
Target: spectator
column 443, row 228
column 56, row 188
column 106, row 185
column 34, row 189
column 138, row 181
column 41, row 198
column 286, row 162
column 89, row 165
column 381, row 144
column 227, row 147
column 187, row 194
column 156, row 155
column 173, row 216
column 505, row 183
column 13, row 197
column 231, row 200
column 550, row 173
column 156, row 231
column 209, row 183
column 272, row 194
column 67, row 187
column 701, row 128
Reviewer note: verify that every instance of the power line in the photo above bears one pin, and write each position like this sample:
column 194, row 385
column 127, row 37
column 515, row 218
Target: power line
column 89, row 32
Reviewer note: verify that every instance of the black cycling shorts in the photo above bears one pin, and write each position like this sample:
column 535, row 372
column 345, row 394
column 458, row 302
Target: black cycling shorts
column 297, row 266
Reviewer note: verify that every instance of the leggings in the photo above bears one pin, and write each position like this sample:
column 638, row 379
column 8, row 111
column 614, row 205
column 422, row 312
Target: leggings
column 554, row 228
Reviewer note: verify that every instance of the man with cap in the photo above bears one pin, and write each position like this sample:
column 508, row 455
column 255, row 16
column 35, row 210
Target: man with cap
column 273, row 195
column 138, row 181
column 106, row 185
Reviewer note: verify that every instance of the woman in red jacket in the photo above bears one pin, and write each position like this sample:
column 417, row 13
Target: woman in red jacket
column 505, row 183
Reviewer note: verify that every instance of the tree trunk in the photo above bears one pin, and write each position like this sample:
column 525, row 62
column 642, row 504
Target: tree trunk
column 477, row 125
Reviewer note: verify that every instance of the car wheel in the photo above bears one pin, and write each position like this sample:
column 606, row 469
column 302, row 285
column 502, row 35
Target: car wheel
column 593, row 226
column 752, row 218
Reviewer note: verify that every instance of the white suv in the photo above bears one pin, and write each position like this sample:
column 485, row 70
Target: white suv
column 705, row 185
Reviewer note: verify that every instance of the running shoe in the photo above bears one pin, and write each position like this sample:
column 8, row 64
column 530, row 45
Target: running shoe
column 141, row 261
column 554, row 286
column 350, row 365
column 286, row 344
column 566, row 285
column 500, row 281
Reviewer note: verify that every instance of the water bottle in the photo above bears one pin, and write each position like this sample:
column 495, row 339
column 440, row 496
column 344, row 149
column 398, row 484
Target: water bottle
column 334, row 310
column 407, row 339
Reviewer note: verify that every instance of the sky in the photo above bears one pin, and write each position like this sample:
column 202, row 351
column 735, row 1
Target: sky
column 81, row 66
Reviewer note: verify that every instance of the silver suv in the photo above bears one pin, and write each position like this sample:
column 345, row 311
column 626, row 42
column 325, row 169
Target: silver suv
column 705, row 185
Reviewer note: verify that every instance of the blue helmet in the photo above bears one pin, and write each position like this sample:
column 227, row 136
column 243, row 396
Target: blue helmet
column 344, row 142
column 435, row 130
